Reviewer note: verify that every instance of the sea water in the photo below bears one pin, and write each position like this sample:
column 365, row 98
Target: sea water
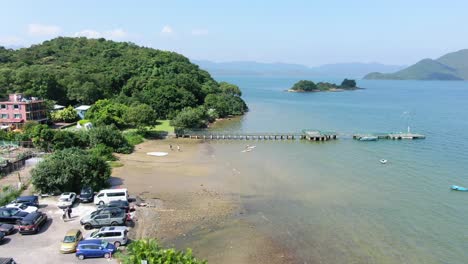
column 334, row 202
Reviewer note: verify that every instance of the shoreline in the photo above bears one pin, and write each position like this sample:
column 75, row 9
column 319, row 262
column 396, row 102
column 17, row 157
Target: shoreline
column 194, row 204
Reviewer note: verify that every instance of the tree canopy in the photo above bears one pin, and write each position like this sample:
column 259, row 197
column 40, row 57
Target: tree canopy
column 69, row 170
column 310, row 86
column 82, row 71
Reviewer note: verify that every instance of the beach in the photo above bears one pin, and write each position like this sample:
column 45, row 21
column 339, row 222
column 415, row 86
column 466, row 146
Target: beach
column 193, row 202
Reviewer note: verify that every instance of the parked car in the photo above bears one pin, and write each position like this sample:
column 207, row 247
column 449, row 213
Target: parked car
column 7, row 261
column 70, row 241
column 66, row 200
column 116, row 204
column 23, row 207
column 106, row 196
column 116, row 235
column 94, row 248
column 11, row 215
column 105, row 217
column 2, row 235
column 32, row 223
column 86, row 194
column 31, row 200
column 7, row 228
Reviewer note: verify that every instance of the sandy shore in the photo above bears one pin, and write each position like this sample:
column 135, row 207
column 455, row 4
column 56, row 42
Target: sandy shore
column 193, row 204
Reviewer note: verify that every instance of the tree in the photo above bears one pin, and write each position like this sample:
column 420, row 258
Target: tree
column 304, row 85
column 348, row 83
column 190, row 118
column 109, row 136
column 107, row 112
column 67, row 115
column 149, row 250
column 225, row 104
column 231, row 89
column 140, row 115
column 69, row 170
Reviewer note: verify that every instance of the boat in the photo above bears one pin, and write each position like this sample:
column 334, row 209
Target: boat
column 368, row 138
column 383, row 161
column 459, row 188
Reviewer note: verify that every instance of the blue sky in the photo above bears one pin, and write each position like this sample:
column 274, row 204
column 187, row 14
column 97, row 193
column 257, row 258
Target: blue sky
column 310, row 32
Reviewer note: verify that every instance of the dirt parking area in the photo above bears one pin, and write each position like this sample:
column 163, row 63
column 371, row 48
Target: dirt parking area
column 44, row 246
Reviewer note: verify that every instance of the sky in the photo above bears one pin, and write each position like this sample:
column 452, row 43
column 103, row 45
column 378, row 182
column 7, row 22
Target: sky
column 312, row 32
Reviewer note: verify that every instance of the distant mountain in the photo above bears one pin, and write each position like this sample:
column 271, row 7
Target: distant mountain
column 356, row 69
column 351, row 70
column 452, row 66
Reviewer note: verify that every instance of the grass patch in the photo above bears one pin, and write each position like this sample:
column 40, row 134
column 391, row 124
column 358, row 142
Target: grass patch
column 163, row 125
column 9, row 193
column 115, row 164
column 133, row 137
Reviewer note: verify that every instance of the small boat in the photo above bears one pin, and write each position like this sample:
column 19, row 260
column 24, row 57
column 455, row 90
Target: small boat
column 383, row 161
column 459, row 188
column 368, row 138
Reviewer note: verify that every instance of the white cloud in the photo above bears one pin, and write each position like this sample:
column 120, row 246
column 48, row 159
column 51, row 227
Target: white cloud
column 117, row 33
column 199, row 32
column 10, row 41
column 89, row 33
column 43, row 30
column 167, row 30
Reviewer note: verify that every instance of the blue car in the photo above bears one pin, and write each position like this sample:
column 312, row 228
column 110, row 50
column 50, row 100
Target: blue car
column 94, row 248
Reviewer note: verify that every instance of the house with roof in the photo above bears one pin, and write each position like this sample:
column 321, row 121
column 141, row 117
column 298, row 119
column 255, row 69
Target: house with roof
column 18, row 109
column 81, row 110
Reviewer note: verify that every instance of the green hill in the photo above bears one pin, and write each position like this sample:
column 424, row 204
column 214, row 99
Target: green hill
column 452, row 66
column 81, row 71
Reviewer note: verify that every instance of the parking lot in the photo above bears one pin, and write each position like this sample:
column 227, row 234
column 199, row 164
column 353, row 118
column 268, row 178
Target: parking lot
column 44, row 246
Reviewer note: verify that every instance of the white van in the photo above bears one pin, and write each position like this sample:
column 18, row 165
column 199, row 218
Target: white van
column 105, row 196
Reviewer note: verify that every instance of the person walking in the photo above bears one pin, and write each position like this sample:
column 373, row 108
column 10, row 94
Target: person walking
column 170, row 146
column 69, row 211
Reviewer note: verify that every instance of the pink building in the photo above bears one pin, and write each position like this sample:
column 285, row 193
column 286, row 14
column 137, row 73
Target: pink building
column 19, row 109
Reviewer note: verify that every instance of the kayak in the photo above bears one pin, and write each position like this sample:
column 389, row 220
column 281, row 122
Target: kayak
column 459, row 188
column 383, row 161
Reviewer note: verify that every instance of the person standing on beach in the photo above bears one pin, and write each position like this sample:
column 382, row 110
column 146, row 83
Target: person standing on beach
column 170, row 146
column 178, row 148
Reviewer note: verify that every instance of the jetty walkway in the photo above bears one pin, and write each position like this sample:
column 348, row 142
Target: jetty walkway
column 306, row 134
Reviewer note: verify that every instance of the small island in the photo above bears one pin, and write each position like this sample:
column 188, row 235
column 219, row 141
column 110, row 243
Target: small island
column 310, row 86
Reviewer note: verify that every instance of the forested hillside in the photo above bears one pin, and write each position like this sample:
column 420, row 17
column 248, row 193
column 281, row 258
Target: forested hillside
column 81, row 71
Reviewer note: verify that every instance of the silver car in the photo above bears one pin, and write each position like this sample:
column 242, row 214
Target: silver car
column 116, row 235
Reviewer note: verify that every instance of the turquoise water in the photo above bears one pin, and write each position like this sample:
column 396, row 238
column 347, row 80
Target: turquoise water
column 334, row 202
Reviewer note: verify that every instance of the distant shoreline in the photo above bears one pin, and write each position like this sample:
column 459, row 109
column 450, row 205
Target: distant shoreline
column 329, row 90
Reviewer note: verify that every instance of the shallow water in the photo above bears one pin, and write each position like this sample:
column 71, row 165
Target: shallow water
column 334, row 202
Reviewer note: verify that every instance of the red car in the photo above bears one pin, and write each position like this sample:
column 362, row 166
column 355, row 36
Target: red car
column 32, row 223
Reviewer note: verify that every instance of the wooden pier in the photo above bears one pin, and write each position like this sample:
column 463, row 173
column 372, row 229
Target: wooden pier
column 311, row 135
column 306, row 134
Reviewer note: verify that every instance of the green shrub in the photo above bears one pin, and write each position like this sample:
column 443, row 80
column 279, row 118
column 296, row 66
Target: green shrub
column 84, row 121
column 9, row 194
column 111, row 137
column 134, row 138
column 67, row 115
column 149, row 250
column 103, row 151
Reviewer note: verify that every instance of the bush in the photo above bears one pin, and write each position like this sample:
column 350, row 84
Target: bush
column 190, row 118
column 134, row 138
column 67, row 115
column 103, row 151
column 8, row 194
column 111, row 137
column 149, row 250
column 69, row 170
